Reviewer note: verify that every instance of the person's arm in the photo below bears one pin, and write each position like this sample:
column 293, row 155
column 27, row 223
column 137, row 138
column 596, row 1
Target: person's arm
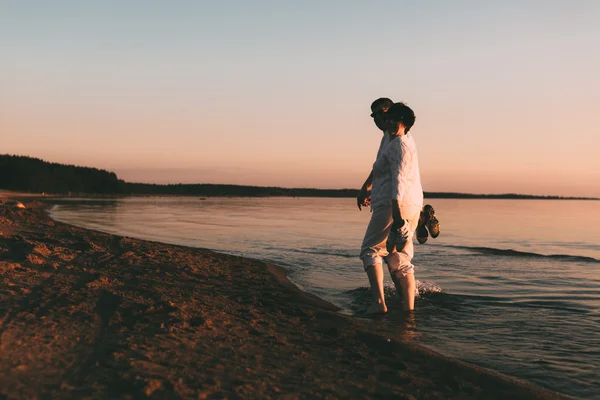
column 364, row 196
column 397, row 215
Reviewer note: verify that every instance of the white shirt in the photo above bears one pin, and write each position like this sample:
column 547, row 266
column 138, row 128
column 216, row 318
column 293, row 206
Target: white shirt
column 384, row 141
column 396, row 173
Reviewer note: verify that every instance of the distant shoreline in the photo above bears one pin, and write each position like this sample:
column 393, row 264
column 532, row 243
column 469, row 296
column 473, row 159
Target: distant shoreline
column 282, row 192
column 31, row 175
column 222, row 190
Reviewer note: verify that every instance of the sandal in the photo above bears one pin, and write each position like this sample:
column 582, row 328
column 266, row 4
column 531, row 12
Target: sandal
column 422, row 233
column 430, row 221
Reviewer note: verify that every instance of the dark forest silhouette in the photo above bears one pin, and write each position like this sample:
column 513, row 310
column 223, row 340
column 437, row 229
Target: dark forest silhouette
column 28, row 174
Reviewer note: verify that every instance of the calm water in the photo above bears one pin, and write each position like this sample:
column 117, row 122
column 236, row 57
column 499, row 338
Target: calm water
column 511, row 285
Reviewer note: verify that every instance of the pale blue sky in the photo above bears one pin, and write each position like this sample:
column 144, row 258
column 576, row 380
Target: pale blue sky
column 278, row 92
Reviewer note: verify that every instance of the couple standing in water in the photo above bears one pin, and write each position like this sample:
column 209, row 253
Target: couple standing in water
column 393, row 191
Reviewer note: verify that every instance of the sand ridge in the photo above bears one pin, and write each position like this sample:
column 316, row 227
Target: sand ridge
column 85, row 314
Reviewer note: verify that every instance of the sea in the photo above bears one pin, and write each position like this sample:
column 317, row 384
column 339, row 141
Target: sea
column 509, row 285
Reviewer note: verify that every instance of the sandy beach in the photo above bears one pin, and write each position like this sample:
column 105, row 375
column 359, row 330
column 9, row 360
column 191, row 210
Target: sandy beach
column 85, row 314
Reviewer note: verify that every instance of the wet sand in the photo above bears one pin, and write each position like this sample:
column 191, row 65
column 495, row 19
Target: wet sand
column 85, row 314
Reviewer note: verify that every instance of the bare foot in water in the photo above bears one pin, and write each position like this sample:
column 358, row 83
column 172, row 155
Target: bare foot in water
column 377, row 308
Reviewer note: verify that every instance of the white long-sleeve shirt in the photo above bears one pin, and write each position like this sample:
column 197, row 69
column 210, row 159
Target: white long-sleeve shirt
column 396, row 173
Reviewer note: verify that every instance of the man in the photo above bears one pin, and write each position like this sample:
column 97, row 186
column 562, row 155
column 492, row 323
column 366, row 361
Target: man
column 396, row 203
column 378, row 109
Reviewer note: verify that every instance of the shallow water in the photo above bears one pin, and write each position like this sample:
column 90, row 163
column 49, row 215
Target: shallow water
column 519, row 279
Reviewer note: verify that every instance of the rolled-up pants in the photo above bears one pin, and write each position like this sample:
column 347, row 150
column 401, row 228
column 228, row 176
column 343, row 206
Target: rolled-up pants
column 373, row 250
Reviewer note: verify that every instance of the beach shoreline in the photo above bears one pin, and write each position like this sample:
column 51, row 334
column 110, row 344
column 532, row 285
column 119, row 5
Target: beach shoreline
column 91, row 314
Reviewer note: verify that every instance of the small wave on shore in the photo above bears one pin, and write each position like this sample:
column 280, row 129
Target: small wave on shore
column 359, row 299
column 345, row 253
column 517, row 253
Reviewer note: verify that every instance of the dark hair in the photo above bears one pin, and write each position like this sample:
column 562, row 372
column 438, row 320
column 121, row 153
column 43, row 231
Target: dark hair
column 381, row 102
column 402, row 113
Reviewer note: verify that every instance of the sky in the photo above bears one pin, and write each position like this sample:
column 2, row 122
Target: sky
column 277, row 93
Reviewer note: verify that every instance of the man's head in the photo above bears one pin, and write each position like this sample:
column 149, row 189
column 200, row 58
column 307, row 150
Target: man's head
column 399, row 116
column 378, row 108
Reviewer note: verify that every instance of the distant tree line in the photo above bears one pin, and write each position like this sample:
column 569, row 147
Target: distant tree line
column 452, row 195
column 27, row 174
column 207, row 189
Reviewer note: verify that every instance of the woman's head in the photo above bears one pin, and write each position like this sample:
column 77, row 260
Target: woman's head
column 399, row 117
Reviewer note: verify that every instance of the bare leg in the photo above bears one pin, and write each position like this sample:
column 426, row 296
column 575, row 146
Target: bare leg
column 396, row 279
column 405, row 286
column 375, row 274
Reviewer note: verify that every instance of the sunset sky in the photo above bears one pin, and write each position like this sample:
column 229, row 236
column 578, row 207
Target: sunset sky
column 277, row 93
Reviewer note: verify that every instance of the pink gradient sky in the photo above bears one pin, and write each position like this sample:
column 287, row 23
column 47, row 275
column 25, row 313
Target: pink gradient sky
column 506, row 96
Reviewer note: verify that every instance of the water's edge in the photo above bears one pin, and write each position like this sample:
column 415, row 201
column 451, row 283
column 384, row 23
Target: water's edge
column 281, row 274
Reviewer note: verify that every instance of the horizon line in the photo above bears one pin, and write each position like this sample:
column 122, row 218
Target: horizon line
column 352, row 189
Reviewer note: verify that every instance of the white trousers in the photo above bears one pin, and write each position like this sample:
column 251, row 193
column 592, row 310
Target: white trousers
column 373, row 250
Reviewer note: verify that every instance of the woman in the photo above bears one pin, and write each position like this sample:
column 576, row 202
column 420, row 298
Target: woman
column 396, row 202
